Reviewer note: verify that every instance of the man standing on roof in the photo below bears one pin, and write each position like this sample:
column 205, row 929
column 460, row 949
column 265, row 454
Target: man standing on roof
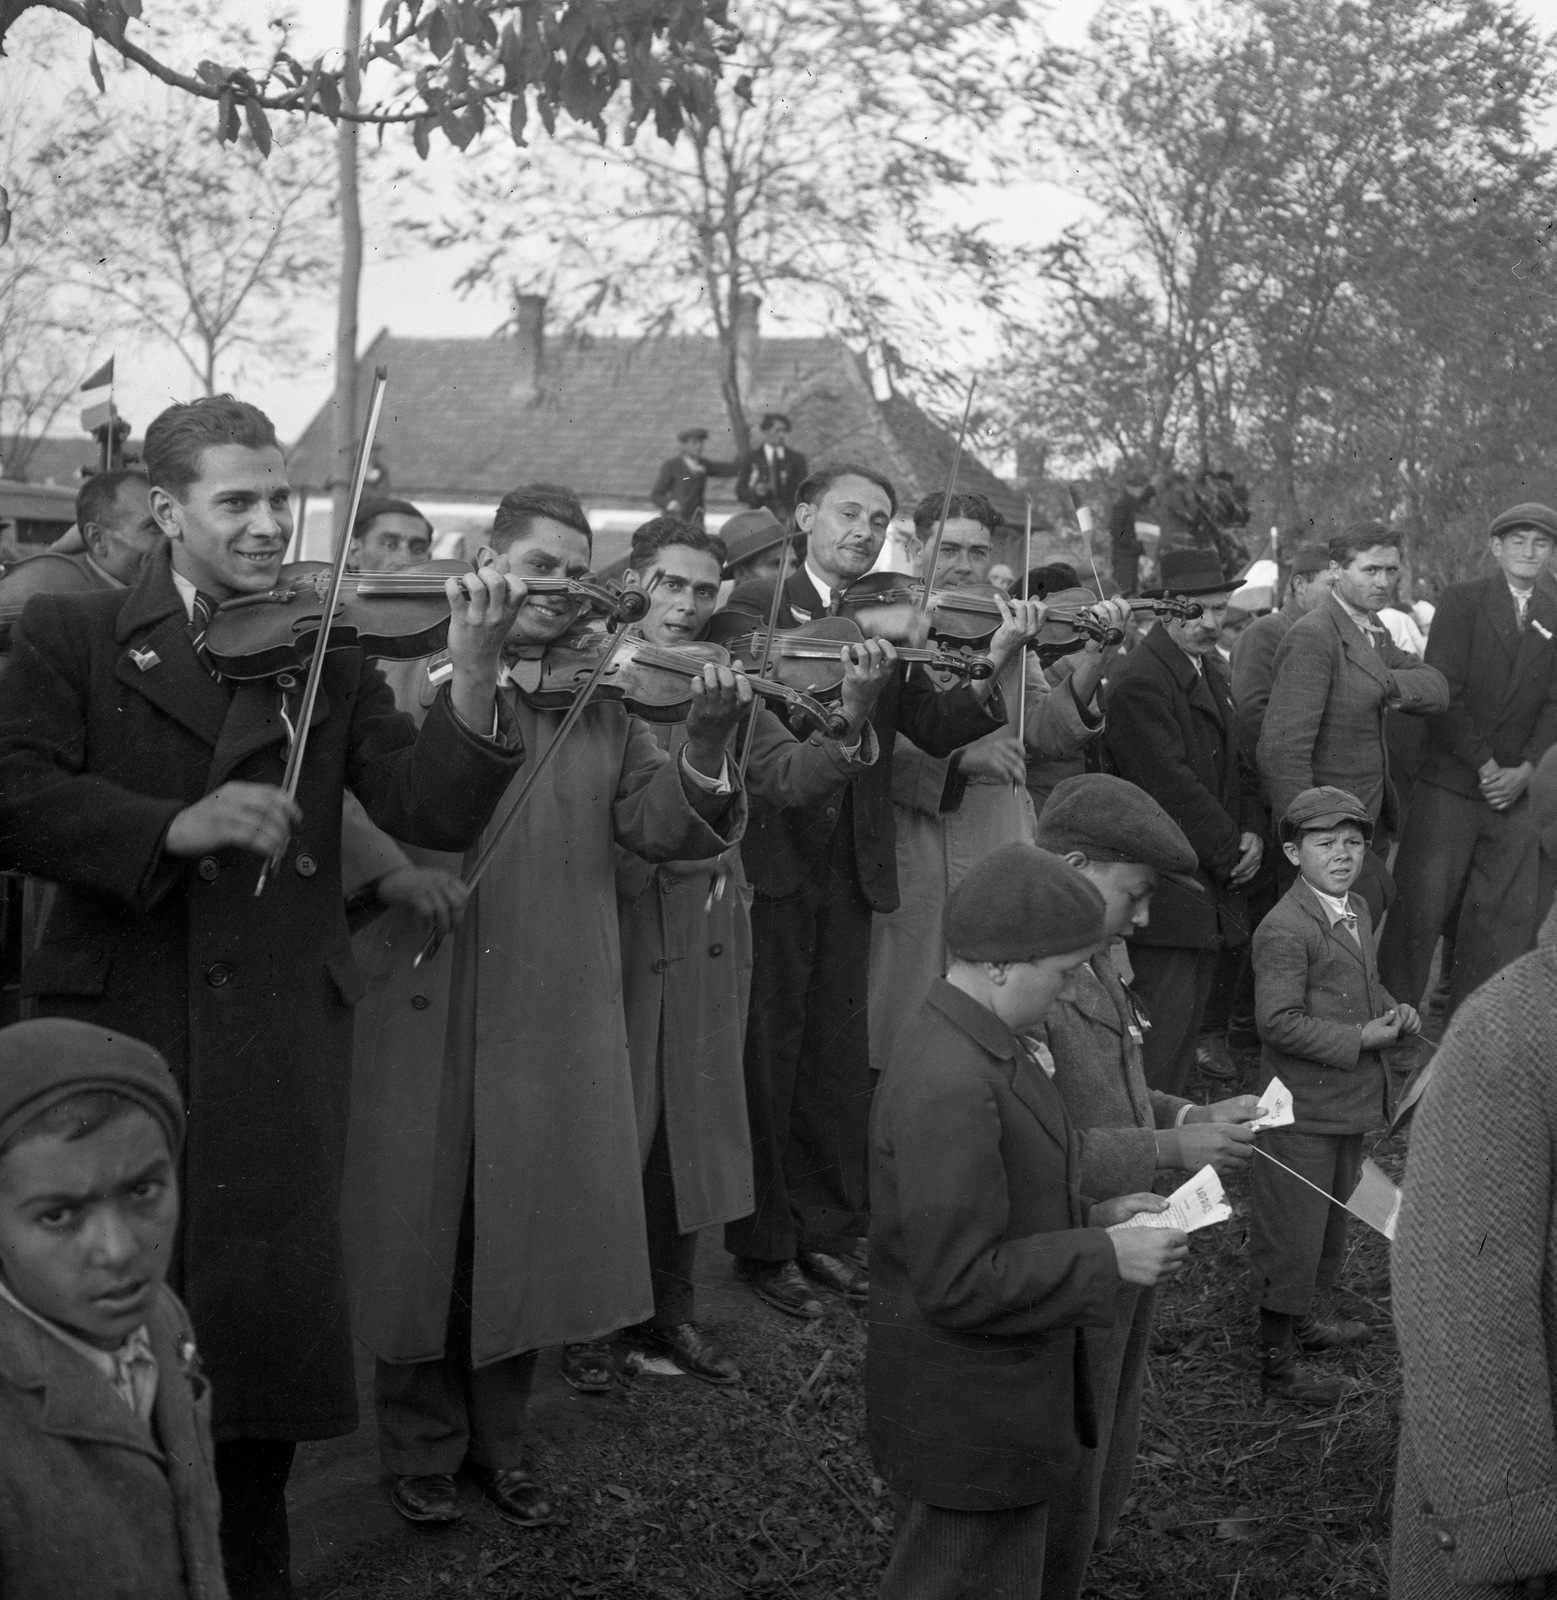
column 683, row 480
column 771, row 473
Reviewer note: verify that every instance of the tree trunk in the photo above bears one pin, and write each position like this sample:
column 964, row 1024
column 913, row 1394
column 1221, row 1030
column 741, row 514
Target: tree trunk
column 344, row 423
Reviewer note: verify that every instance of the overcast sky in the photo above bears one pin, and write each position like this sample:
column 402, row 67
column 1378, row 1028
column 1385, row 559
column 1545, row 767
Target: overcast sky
column 412, row 293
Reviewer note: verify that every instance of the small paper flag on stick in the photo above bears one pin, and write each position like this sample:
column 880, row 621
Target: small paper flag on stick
column 1375, row 1200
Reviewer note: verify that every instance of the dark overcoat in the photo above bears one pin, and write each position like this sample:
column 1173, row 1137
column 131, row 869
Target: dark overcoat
column 109, row 727
column 1474, row 1274
column 683, row 487
column 94, row 1504
column 787, row 846
column 1171, row 731
column 982, row 1269
column 759, row 484
column 1254, row 671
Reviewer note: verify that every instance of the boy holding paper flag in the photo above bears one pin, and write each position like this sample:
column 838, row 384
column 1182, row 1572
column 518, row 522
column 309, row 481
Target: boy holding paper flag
column 1323, row 1018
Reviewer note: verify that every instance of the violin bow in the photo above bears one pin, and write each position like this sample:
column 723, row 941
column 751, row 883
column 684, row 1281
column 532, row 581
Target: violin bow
column 294, row 770
column 1021, row 685
column 933, row 555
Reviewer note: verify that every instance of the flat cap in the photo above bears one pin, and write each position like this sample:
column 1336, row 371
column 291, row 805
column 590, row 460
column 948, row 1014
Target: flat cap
column 1323, row 808
column 1530, row 515
column 1309, row 558
column 49, row 1059
column 1108, row 819
column 1020, row 903
column 691, row 433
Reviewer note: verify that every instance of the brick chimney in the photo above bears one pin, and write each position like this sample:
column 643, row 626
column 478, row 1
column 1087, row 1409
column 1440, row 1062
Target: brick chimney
column 529, row 345
column 748, row 331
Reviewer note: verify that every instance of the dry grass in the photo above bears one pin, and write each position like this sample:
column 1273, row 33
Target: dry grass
column 676, row 1491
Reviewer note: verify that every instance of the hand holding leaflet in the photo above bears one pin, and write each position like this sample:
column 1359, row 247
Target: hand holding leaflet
column 1275, row 1107
column 1196, row 1204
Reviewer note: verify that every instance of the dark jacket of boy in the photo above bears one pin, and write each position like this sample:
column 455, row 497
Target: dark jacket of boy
column 94, row 1503
column 1314, row 988
column 982, row 1269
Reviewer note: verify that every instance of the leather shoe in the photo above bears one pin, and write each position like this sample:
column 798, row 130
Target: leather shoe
column 1213, row 1060
column 780, row 1284
column 519, row 1498
column 426, row 1497
column 1312, row 1334
column 841, row 1274
column 1284, row 1377
column 689, row 1347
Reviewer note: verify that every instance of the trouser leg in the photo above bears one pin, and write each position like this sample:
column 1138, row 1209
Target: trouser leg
column 966, row 1555
column 828, row 1160
column 1332, row 1253
column 1436, row 843
column 251, row 1476
column 1292, row 1230
column 1499, row 918
column 783, row 934
column 671, row 1251
column 1173, row 986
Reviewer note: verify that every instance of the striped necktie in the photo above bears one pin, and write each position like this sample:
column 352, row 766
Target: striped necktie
column 201, row 612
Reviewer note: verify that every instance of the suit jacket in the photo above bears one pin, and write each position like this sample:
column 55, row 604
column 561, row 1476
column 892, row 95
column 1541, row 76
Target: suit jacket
column 1502, row 682
column 787, row 846
column 1324, row 723
column 1171, row 732
column 94, row 1503
column 1095, row 1038
column 1474, row 1273
column 982, row 1269
column 1254, row 660
column 757, row 485
column 109, row 727
column 1314, row 988
column 678, row 483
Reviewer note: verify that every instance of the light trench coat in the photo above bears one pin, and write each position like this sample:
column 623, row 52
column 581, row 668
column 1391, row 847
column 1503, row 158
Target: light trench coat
column 509, row 1050
column 936, row 847
column 686, row 979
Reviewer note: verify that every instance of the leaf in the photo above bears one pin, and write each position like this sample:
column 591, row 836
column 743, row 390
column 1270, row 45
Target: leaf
column 518, row 112
column 259, row 125
column 330, row 95
column 440, row 37
column 131, row 8
column 210, row 72
column 618, row 1491
column 421, row 131
column 225, row 116
column 95, row 69
column 1237, row 1527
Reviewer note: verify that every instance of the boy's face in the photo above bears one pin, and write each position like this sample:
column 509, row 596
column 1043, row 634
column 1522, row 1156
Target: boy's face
column 86, row 1225
column 1126, row 888
column 1028, row 988
column 546, row 549
column 1329, row 858
column 232, row 528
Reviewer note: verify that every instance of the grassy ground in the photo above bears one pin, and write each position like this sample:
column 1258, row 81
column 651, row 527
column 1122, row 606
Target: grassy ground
column 675, row 1491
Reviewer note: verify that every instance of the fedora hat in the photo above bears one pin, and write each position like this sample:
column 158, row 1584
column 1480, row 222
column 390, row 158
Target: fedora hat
column 748, row 534
column 1195, row 571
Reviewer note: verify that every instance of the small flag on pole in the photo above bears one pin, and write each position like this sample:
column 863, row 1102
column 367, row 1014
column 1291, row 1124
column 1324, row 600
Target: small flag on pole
column 1375, row 1200
column 103, row 375
column 95, row 417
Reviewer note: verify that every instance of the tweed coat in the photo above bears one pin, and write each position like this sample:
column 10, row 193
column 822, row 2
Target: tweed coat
column 1171, row 732
column 945, row 822
column 109, row 726
column 982, row 1270
column 1474, row 1272
column 1324, row 723
column 1254, row 662
column 1313, row 990
column 787, row 847
column 95, row 1504
column 686, row 979
column 509, row 1050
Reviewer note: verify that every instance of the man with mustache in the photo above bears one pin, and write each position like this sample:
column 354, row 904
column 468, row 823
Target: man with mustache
column 148, row 790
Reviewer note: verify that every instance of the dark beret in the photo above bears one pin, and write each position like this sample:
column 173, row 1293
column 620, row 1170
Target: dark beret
column 52, row 1058
column 1020, row 903
column 1309, row 558
column 1323, row 808
column 1530, row 515
column 1108, row 819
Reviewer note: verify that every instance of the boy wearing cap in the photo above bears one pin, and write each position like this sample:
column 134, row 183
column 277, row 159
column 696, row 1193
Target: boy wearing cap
column 107, row 1488
column 986, row 1263
column 1123, row 843
column 1323, row 1017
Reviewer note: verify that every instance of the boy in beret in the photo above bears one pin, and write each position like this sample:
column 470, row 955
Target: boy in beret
column 107, row 1488
column 1123, row 843
column 1323, row 1018
column 986, row 1262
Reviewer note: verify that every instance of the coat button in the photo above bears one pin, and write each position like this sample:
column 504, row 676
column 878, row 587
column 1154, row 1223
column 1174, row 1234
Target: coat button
column 716, row 949
column 217, row 974
column 661, row 964
column 830, row 812
column 1446, row 1541
column 208, row 868
column 306, row 865
column 667, row 885
column 419, row 1002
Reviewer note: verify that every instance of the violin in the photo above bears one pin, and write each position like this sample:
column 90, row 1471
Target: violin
column 654, row 681
column 810, row 657
column 395, row 616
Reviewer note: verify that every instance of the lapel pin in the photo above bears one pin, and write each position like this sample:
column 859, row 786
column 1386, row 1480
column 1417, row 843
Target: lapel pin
column 147, row 659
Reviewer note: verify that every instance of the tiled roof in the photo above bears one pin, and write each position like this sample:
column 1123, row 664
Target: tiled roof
column 52, row 460
column 456, row 424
